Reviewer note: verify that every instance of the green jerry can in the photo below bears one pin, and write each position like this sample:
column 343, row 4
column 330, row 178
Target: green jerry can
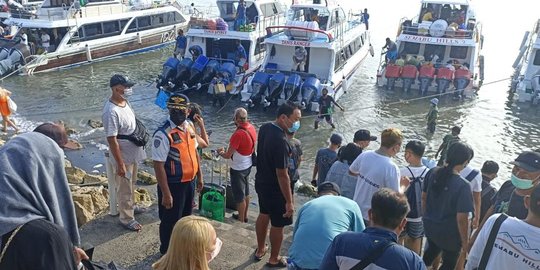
column 213, row 205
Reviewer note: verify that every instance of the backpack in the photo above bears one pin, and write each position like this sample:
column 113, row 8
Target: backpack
column 472, row 175
column 414, row 194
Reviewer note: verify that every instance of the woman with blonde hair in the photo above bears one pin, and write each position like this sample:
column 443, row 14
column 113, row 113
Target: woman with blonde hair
column 193, row 245
column 4, row 110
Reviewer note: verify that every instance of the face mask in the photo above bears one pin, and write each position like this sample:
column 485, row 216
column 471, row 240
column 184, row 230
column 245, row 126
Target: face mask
column 127, row 92
column 178, row 118
column 520, row 183
column 216, row 251
column 295, row 127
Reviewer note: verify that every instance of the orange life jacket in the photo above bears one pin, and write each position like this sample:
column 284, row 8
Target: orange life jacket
column 182, row 162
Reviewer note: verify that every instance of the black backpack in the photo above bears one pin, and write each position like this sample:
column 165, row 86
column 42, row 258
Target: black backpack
column 414, row 194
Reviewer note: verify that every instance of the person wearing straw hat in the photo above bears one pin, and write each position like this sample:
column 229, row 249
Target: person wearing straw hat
column 432, row 115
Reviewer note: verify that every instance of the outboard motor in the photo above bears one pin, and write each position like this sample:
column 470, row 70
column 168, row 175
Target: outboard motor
column 197, row 69
column 4, row 53
column 292, row 88
column 275, row 87
column 259, row 84
column 17, row 56
column 310, row 89
column 462, row 77
column 391, row 73
column 408, row 75
column 182, row 72
column 426, row 78
column 228, row 69
column 210, row 71
column 168, row 72
column 444, row 77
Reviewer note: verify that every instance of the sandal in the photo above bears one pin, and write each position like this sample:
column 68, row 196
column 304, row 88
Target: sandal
column 139, row 210
column 236, row 216
column 282, row 263
column 259, row 258
column 133, row 226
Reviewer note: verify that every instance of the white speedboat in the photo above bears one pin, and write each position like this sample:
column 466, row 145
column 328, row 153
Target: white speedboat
column 215, row 38
column 526, row 78
column 79, row 34
column 440, row 48
column 331, row 42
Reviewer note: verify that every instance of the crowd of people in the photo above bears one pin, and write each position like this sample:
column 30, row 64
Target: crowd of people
column 369, row 212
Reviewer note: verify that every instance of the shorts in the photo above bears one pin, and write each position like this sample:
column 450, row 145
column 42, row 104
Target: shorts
column 413, row 229
column 273, row 204
column 180, row 51
column 240, row 184
column 327, row 117
column 4, row 107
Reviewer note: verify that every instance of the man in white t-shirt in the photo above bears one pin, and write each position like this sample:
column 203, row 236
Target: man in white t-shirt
column 517, row 242
column 474, row 177
column 412, row 181
column 118, row 121
column 376, row 170
column 45, row 40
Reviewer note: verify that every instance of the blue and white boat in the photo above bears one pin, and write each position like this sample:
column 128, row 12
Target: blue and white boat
column 216, row 39
column 332, row 42
column 526, row 78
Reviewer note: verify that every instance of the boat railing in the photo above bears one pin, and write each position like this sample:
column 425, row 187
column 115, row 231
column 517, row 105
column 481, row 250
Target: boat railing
column 269, row 29
column 419, row 30
column 537, row 27
column 259, row 26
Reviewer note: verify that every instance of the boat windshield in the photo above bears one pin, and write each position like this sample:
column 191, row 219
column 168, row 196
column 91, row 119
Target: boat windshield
column 228, row 9
column 308, row 14
column 41, row 40
column 451, row 13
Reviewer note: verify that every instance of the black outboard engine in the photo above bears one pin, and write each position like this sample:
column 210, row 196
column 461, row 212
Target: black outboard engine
column 408, row 75
column 168, row 73
column 183, row 70
column 210, row 71
column 292, row 88
column 17, row 56
column 275, row 88
column 259, row 85
column 310, row 89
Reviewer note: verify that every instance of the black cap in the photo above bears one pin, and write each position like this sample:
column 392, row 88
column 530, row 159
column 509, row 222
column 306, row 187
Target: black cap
column 178, row 102
column 118, row 79
column 528, row 160
column 328, row 186
column 363, row 135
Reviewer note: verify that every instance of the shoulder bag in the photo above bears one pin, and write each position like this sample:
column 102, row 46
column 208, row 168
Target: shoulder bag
column 490, row 242
column 253, row 154
column 140, row 136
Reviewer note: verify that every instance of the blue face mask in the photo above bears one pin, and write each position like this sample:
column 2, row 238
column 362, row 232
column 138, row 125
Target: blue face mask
column 295, row 127
column 520, row 183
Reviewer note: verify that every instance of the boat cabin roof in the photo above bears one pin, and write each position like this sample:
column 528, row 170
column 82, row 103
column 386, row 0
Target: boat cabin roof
column 55, row 23
column 443, row 2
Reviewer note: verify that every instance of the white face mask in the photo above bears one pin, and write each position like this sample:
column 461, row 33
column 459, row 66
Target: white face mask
column 216, row 251
column 127, row 92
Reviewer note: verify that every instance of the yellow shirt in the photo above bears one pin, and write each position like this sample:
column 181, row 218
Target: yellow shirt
column 427, row 16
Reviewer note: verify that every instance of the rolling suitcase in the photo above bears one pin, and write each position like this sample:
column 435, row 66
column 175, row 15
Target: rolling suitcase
column 208, row 191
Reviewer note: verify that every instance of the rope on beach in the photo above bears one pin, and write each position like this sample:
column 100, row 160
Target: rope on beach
column 401, row 101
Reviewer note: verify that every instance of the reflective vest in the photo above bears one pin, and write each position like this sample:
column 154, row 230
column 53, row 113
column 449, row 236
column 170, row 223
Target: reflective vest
column 182, row 162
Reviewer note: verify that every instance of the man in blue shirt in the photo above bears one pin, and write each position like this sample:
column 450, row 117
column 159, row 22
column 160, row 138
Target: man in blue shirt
column 240, row 15
column 318, row 222
column 181, row 43
column 387, row 214
column 240, row 55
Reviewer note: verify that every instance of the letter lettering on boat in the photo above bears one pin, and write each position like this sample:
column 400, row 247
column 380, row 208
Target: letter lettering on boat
column 168, row 36
column 215, row 32
column 295, row 43
column 434, row 40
